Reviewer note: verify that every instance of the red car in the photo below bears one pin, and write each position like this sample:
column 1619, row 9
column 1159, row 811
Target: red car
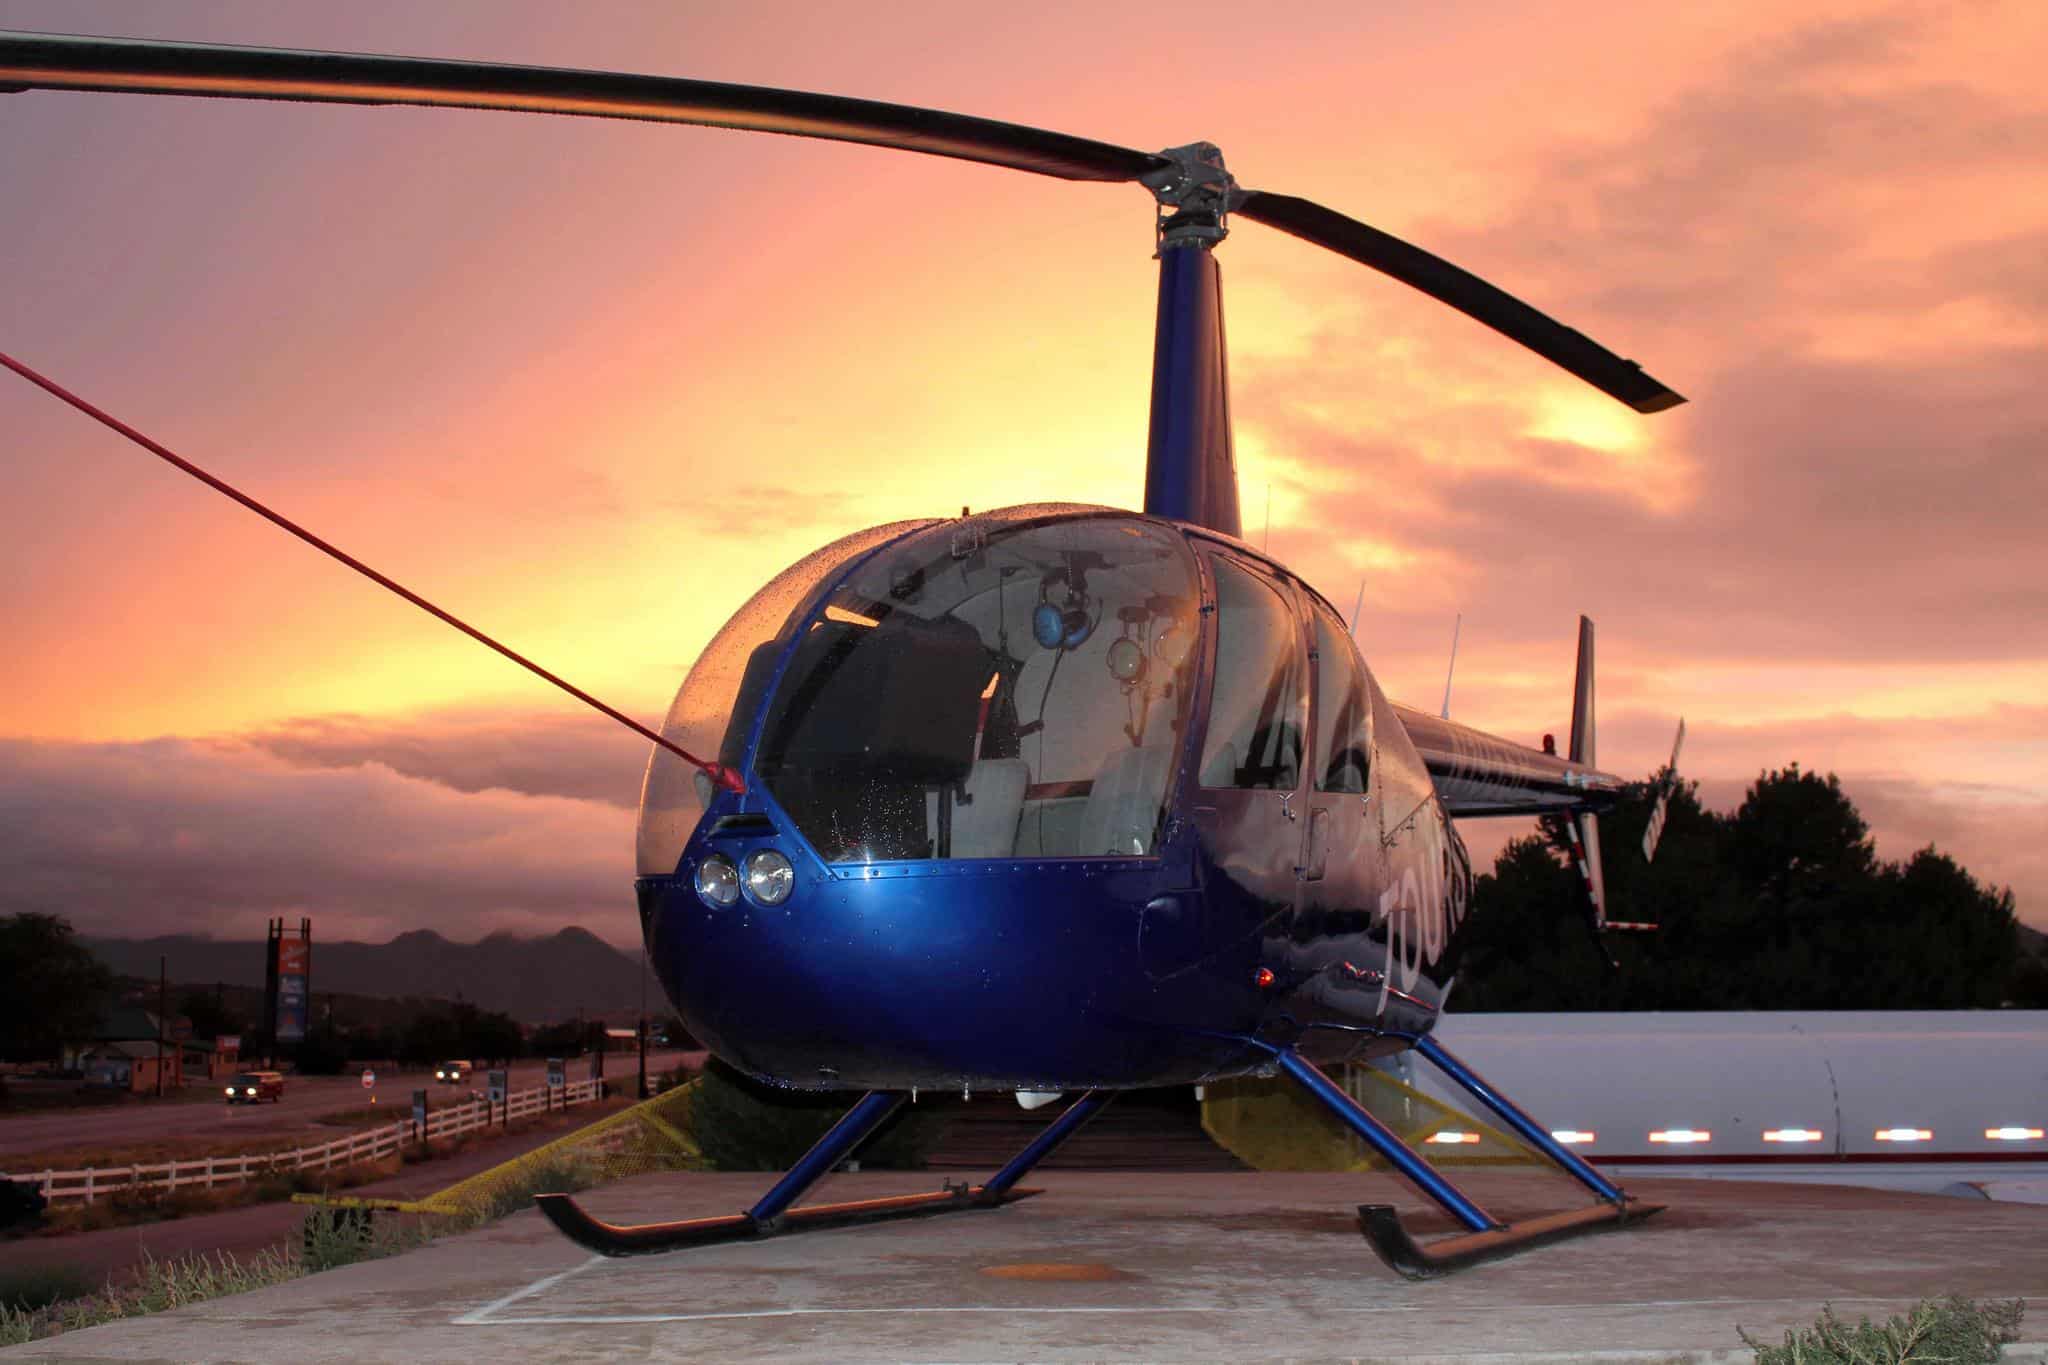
column 252, row 1087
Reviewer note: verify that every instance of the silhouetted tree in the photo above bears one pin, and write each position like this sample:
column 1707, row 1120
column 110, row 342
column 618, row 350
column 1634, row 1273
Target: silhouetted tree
column 209, row 1015
column 52, row 989
column 1782, row 905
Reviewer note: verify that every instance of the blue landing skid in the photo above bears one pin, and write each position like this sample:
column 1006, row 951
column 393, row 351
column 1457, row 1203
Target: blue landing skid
column 774, row 1213
column 1486, row 1236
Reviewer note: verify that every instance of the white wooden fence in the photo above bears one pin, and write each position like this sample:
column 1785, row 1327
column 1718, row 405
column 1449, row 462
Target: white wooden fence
column 368, row 1145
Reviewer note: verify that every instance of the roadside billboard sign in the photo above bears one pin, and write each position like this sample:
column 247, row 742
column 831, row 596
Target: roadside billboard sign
column 294, row 962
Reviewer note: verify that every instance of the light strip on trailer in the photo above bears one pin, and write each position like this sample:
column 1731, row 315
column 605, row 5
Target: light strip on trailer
column 1572, row 1137
column 1451, row 1137
column 1904, row 1135
column 1681, row 1135
column 2012, row 1134
column 1792, row 1135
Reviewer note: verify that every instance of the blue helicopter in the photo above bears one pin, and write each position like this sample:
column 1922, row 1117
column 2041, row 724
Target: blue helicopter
column 1052, row 799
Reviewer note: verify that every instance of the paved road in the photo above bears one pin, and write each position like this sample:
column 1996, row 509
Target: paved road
column 305, row 1099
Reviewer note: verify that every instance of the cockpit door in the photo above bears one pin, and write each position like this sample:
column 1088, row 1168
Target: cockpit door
column 1340, row 866
column 1252, row 772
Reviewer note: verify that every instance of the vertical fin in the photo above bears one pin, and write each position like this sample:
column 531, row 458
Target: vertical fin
column 1582, row 698
column 1585, row 826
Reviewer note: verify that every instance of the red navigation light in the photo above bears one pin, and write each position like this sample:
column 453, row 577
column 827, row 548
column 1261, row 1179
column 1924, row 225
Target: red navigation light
column 1263, row 977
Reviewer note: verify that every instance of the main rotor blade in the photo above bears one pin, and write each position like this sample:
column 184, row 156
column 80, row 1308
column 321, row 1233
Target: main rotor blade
column 50, row 61
column 1464, row 291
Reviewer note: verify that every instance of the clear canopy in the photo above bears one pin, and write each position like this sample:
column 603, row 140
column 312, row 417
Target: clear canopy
column 674, row 794
column 1009, row 686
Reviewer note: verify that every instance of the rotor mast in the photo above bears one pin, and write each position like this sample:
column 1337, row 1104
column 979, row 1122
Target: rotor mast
column 1190, row 465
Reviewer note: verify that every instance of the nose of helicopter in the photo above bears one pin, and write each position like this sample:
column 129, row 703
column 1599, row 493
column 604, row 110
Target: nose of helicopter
column 888, row 976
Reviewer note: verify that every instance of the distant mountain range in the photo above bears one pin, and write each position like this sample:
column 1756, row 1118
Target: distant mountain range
column 535, row 980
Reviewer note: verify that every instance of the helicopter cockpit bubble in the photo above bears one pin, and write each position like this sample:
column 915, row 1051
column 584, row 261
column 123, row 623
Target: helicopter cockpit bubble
column 673, row 794
column 941, row 726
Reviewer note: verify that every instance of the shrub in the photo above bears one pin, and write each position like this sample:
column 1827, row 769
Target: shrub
column 556, row 1173
column 21, row 1204
column 740, row 1124
column 1955, row 1331
column 26, row 1290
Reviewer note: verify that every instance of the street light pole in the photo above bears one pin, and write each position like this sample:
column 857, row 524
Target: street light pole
column 163, row 1020
column 643, row 1020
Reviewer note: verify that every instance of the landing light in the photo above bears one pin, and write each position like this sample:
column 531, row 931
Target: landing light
column 1452, row 1137
column 2012, row 1134
column 1792, row 1135
column 1572, row 1137
column 769, row 876
column 718, row 881
column 1903, row 1135
column 1681, row 1135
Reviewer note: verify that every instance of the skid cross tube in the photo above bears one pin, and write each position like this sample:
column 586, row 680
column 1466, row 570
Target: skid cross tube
column 1487, row 1237
column 774, row 1213
column 1387, row 1143
column 1047, row 1142
column 869, row 1113
column 1530, row 1131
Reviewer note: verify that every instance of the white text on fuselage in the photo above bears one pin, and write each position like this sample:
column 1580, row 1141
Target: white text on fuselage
column 1424, row 905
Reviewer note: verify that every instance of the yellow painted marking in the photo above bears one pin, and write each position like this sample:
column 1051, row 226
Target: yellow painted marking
column 1055, row 1270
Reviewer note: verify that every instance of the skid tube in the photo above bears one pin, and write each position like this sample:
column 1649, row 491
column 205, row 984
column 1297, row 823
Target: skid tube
column 774, row 1213
column 1486, row 1237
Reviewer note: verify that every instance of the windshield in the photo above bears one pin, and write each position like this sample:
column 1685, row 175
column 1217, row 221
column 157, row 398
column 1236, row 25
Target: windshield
column 674, row 794
column 991, row 688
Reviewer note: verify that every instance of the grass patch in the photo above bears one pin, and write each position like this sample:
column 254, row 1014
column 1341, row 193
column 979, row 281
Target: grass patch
column 162, row 1285
column 76, row 1158
column 133, row 1205
column 558, row 1173
column 46, row 1303
column 1954, row 1331
column 369, row 1115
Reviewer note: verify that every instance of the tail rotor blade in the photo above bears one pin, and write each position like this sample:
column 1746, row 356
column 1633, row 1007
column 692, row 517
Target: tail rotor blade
column 1464, row 291
column 1655, row 830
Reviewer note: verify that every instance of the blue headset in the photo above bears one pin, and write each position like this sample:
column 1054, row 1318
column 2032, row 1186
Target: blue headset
column 1061, row 627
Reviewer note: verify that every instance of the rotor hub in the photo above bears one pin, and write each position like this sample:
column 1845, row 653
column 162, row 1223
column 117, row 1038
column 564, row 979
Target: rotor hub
column 1195, row 195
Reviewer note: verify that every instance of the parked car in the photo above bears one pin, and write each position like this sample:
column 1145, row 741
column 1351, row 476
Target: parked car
column 452, row 1073
column 253, row 1087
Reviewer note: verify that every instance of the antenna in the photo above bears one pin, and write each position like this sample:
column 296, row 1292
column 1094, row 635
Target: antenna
column 1455, row 627
column 1267, row 534
column 1357, row 606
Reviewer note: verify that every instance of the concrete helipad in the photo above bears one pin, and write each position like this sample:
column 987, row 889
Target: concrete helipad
column 1131, row 1267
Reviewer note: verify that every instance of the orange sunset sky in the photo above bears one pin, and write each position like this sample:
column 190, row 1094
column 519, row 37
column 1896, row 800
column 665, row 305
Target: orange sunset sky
column 588, row 384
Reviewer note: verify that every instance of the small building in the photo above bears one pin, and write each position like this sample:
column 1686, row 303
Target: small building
column 123, row 1053
column 122, row 1064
